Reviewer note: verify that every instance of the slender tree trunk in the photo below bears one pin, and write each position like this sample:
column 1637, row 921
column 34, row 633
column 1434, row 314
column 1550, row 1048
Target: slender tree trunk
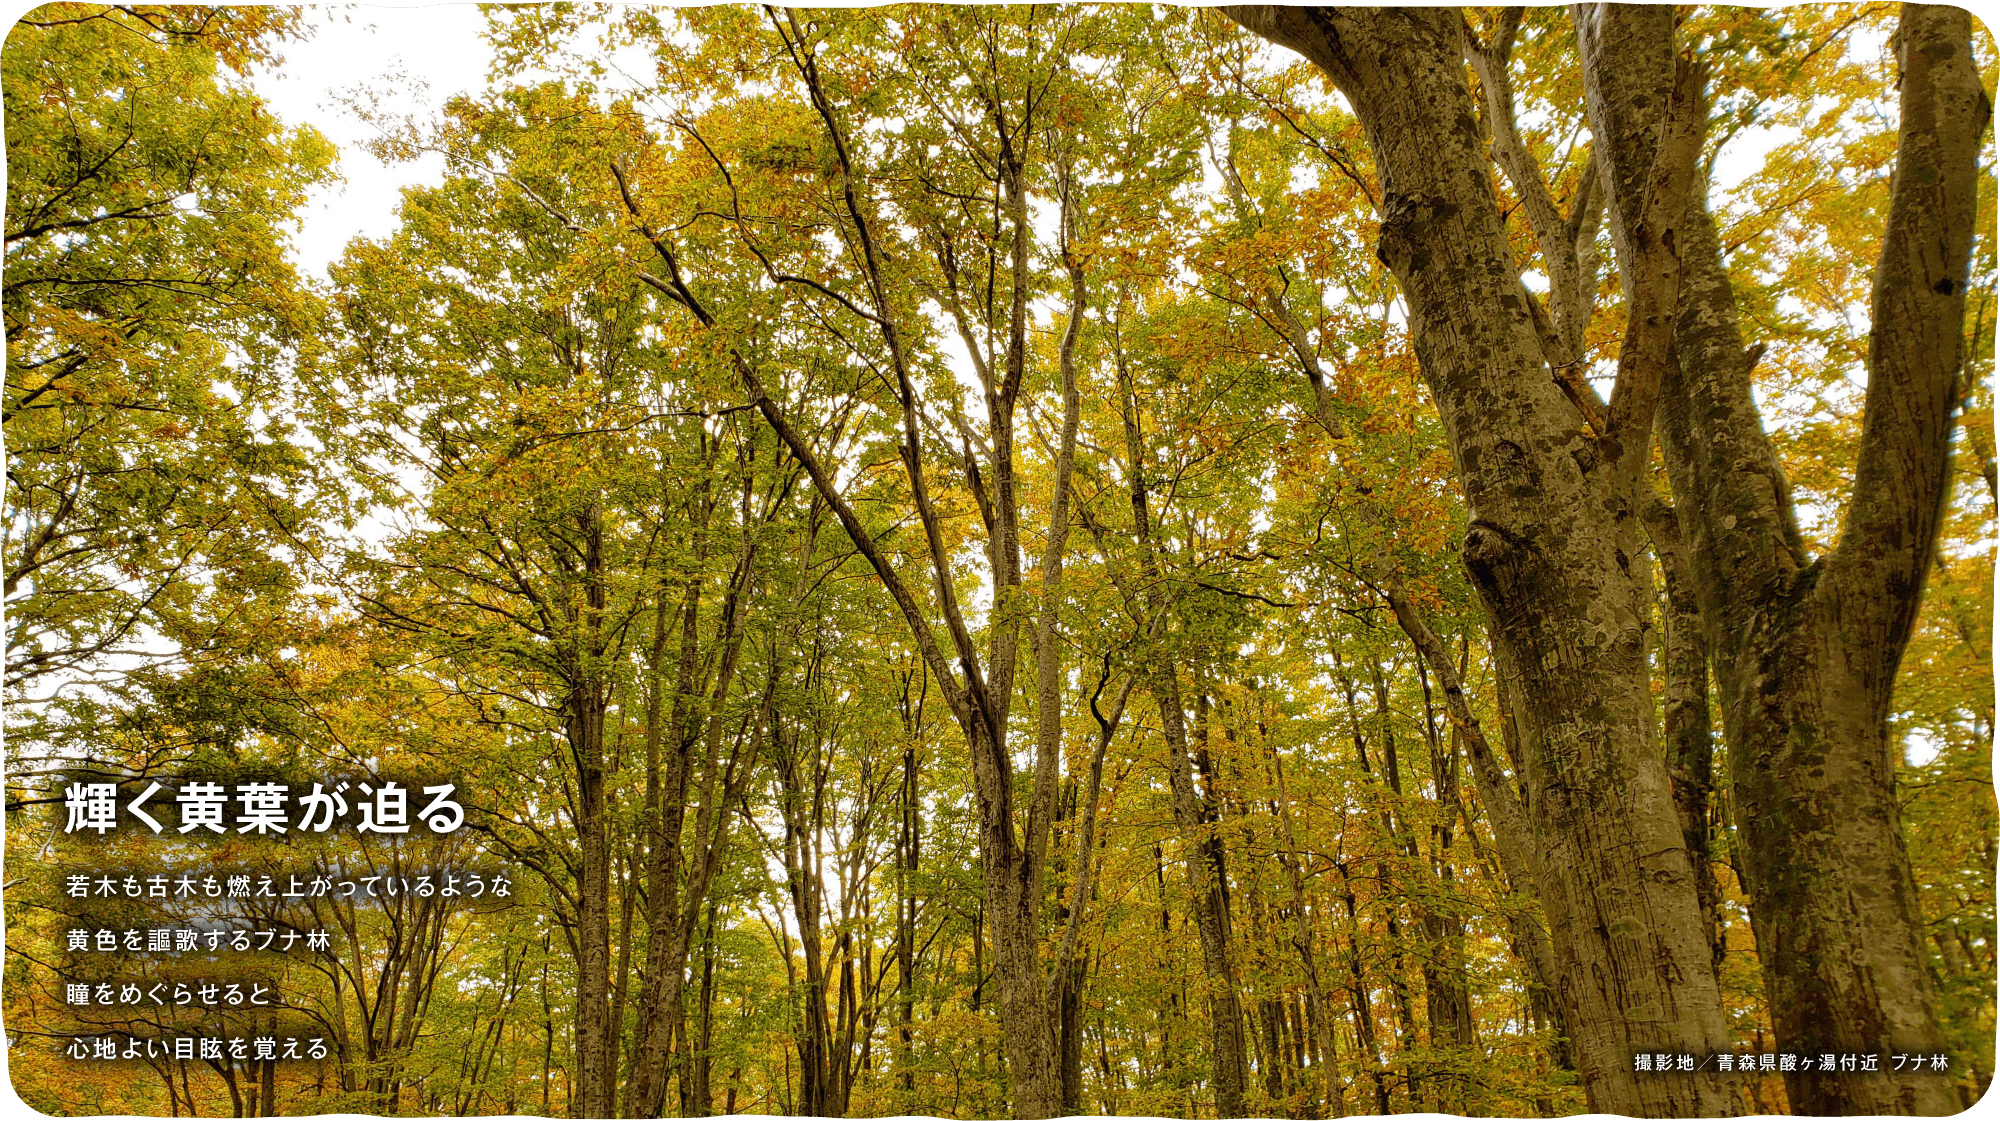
column 673, row 907
column 1070, row 967
column 801, row 807
column 236, row 1108
column 1201, row 842
column 548, row 1031
column 1392, row 894
column 595, row 1073
column 1359, row 1000
column 621, row 987
column 1447, row 992
column 1303, row 940
column 979, row 690
column 908, row 841
column 267, row 1090
column 704, row 1056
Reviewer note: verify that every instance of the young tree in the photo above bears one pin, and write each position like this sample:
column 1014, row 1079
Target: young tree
column 562, row 490
column 933, row 232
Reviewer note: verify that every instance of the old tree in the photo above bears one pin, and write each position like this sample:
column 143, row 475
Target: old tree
column 999, row 560
column 1804, row 649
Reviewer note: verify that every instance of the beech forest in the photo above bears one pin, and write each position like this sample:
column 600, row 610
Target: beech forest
column 1009, row 561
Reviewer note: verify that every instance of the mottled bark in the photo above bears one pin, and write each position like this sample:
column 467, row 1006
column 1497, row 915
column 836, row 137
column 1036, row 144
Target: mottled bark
column 1550, row 552
column 1686, row 723
column 1069, row 1030
column 1806, row 650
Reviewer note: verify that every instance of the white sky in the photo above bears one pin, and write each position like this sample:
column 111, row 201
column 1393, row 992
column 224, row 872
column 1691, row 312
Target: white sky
column 414, row 57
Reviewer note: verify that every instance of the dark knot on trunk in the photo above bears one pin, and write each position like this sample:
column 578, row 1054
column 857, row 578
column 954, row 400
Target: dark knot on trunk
column 1405, row 217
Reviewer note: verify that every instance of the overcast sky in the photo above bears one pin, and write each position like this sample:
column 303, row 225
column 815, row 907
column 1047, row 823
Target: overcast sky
column 414, row 57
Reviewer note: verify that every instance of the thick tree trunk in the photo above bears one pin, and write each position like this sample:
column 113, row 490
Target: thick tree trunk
column 1069, row 1028
column 1552, row 558
column 1806, row 651
column 1687, row 725
column 1013, row 904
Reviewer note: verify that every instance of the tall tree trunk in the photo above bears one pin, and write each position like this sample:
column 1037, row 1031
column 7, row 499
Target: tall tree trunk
column 228, row 1070
column 267, row 1089
column 1447, row 991
column 1317, row 1013
column 909, row 837
column 596, row 1075
column 802, row 807
column 621, row 987
column 1360, row 1002
column 1806, row 651
column 1069, row 1028
column 1391, row 893
column 702, row 1060
column 1549, row 552
column 1070, row 967
column 673, row 907
column 978, row 689
column 1201, row 840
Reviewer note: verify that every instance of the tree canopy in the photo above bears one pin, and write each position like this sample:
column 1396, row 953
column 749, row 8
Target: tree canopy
column 988, row 560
